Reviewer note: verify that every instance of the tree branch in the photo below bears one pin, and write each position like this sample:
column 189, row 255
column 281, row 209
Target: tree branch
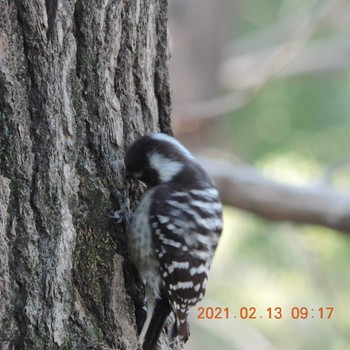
column 244, row 188
column 269, row 67
column 328, row 55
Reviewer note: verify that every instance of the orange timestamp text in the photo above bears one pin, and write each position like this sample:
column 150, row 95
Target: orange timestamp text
column 252, row 313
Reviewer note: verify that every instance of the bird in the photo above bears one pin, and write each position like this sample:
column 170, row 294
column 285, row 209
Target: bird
column 173, row 233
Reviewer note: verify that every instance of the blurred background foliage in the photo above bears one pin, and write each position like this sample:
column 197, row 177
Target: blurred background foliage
column 295, row 128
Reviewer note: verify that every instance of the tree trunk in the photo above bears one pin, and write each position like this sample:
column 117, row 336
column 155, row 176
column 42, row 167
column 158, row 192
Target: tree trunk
column 79, row 80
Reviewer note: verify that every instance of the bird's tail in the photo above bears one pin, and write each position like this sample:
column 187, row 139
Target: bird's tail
column 180, row 329
column 161, row 311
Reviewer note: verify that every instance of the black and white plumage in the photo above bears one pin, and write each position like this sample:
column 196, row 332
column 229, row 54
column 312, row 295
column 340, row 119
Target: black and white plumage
column 174, row 231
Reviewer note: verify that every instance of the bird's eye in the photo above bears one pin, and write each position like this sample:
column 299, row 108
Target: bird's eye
column 137, row 174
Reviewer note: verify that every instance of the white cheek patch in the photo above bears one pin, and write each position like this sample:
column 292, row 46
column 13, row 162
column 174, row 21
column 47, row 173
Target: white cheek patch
column 166, row 168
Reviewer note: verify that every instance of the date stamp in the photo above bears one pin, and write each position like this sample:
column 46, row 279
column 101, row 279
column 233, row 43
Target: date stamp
column 276, row 313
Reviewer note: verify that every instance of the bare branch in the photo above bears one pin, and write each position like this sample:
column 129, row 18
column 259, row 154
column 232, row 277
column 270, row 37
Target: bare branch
column 244, row 188
column 272, row 65
column 328, row 55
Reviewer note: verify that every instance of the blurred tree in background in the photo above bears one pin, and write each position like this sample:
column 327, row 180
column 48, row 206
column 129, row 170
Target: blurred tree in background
column 267, row 83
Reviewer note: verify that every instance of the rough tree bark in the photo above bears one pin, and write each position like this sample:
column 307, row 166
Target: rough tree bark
column 79, row 80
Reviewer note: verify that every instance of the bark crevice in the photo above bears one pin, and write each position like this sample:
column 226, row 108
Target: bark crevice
column 68, row 109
